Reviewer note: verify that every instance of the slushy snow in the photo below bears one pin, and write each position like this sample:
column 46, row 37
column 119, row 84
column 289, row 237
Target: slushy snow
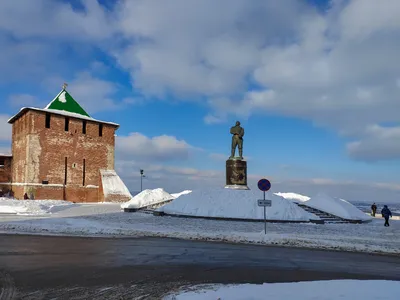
column 306, row 290
column 293, row 196
column 32, row 207
column 336, row 206
column 148, row 197
column 237, row 204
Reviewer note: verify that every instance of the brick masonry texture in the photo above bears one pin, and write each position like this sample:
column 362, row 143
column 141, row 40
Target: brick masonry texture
column 5, row 170
column 59, row 156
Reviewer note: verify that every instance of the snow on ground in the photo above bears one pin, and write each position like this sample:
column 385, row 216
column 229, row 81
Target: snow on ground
column 336, row 206
column 293, row 196
column 148, row 197
column 185, row 192
column 324, row 289
column 238, row 204
column 32, row 207
column 100, row 220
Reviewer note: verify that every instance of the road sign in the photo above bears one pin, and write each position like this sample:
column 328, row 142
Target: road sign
column 264, row 184
column 264, row 202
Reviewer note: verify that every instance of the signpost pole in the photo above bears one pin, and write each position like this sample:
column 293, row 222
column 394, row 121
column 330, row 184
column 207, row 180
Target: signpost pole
column 265, row 217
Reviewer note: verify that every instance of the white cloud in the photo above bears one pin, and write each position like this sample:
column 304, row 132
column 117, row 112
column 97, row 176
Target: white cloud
column 339, row 69
column 56, row 20
column 158, row 148
column 5, row 128
column 22, row 100
column 199, row 47
column 378, row 143
column 219, row 156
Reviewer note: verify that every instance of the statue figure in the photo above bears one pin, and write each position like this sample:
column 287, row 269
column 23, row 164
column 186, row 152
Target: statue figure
column 237, row 140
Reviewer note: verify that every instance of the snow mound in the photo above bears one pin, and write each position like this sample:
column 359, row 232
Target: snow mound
column 336, row 206
column 293, row 196
column 114, row 188
column 148, row 197
column 185, row 192
column 32, row 207
column 239, row 204
column 324, row 289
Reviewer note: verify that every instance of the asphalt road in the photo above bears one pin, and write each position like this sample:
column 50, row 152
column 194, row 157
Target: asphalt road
column 34, row 267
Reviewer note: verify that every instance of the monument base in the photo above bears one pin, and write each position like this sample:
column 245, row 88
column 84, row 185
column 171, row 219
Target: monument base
column 236, row 174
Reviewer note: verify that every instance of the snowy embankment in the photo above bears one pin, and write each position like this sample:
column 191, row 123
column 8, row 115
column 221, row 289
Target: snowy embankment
column 324, row 289
column 293, row 197
column 32, row 207
column 234, row 204
column 336, row 206
column 177, row 195
column 148, row 198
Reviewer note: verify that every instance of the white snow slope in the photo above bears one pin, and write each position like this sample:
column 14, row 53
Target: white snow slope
column 113, row 185
column 293, row 196
column 185, row 192
column 238, row 204
column 325, row 289
column 148, row 197
column 336, row 206
column 32, row 207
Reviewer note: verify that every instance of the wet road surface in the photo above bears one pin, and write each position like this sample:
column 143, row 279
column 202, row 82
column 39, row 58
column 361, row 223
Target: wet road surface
column 35, row 267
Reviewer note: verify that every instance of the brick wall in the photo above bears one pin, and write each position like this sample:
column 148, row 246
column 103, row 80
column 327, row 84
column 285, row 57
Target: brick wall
column 41, row 153
column 5, row 169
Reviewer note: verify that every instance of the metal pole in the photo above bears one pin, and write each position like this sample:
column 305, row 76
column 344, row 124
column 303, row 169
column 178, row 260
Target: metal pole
column 265, row 217
column 141, row 182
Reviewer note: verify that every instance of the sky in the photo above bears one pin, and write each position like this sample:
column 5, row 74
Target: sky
column 314, row 83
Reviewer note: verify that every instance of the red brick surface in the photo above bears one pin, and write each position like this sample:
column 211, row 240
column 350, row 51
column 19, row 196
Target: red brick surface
column 39, row 154
column 5, row 171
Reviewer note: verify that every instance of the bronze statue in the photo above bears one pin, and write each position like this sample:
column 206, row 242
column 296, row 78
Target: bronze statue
column 237, row 140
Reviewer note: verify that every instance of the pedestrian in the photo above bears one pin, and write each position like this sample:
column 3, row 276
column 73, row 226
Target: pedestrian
column 26, row 196
column 386, row 213
column 373, row 208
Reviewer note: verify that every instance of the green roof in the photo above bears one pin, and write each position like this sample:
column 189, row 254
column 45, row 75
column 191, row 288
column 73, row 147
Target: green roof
column 64, row 101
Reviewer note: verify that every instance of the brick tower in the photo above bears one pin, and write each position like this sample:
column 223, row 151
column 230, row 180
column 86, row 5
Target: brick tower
column 61, row 152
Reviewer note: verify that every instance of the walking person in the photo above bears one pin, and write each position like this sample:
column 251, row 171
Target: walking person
column 373, row 208
column 386, row 213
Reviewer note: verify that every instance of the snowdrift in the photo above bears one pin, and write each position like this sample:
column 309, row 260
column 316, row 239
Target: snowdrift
column 114, row 188
column 32, row 207
column 336, row 206
column 185, row 192
column 148, row 197
column 293, row 196
column 238, row 204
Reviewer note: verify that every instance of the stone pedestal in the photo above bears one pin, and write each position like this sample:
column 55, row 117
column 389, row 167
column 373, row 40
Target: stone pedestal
column 236, row 174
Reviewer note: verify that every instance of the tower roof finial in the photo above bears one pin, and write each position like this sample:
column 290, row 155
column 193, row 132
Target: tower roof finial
column 64, row 86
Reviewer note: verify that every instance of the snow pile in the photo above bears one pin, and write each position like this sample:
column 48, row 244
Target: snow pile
column 114, row 188
column 336, row 206
column 324, row 289
column 238, row 204
column 185, row 192
column 293, row 196
column 148, row 197
column 32, row 207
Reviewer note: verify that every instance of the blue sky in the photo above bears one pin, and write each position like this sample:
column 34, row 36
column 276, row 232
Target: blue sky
column 315, row 84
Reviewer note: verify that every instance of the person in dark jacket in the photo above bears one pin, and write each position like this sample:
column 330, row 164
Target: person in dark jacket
column 386, row 213
column 373, row 208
